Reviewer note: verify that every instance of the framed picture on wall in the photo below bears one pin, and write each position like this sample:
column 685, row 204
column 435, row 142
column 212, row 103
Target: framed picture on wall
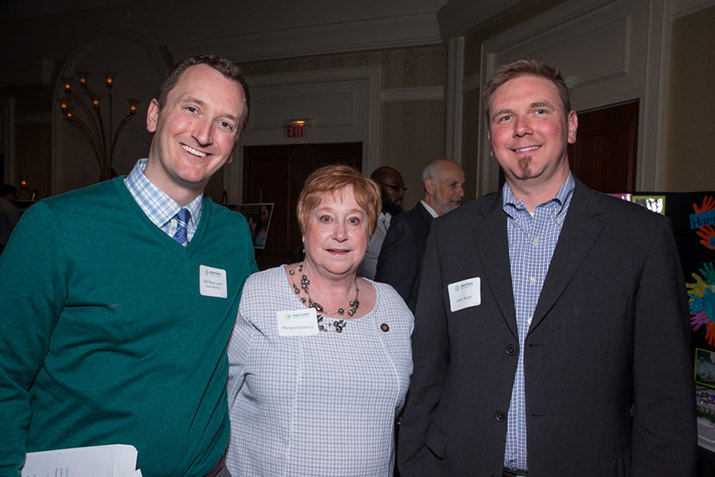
column 259, row 220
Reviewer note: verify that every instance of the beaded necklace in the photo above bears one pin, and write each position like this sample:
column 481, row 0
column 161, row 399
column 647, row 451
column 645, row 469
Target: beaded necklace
column 338, row 325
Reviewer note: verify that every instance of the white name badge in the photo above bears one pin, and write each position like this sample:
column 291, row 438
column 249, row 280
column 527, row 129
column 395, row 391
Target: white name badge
column 464, row 294
column 302, row 322
column 212, row 282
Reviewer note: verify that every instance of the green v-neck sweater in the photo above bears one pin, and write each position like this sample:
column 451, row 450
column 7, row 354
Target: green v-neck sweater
column 106, row 337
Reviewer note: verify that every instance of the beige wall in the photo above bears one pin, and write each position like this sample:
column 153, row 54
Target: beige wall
column 690, row 160
column 470, row 142
column 411, row 133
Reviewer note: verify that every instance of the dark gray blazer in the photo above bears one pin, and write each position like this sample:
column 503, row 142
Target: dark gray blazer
column 610, row 334
column 400, row 259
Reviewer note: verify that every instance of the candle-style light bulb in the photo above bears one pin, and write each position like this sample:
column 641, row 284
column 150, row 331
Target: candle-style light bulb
column 132, row 102
column 110, row 79
column 82, row 75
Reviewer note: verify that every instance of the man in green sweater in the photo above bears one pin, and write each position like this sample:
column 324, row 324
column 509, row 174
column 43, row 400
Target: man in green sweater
column 117, row 300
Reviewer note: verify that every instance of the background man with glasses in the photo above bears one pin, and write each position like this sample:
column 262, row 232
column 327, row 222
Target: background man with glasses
column 392, row 190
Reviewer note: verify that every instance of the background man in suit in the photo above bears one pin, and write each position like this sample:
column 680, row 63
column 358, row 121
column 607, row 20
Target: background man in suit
column 552, row 318
column 392, row 191
column 401, row 254
column 117, row 304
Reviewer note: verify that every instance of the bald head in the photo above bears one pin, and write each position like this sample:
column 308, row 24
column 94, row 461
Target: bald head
column 444, row 185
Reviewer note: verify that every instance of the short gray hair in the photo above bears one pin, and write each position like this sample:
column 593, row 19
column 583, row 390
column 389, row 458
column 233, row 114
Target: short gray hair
column 430, row 171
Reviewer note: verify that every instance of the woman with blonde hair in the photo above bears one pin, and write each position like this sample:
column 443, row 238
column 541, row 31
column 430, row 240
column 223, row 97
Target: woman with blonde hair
column 320, row 359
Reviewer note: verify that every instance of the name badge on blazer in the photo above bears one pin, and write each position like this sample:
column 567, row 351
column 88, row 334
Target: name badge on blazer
column 465, row 294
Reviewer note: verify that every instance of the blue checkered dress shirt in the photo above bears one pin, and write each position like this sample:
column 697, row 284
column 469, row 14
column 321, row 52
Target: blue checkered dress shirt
column 159, row 207
column 532, row 240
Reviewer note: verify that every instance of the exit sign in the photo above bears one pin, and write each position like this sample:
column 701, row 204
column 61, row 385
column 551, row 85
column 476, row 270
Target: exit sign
column 296, row 129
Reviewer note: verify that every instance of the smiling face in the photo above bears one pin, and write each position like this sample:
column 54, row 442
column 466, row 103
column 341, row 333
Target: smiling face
column 336, row 235
column 194, row 133
column 529, row 131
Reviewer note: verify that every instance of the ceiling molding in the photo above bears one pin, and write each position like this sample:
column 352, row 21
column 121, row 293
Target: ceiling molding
column 681, row 8
column 383, row 33
column 458, row 16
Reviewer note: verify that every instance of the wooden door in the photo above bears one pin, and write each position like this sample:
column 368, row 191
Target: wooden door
column 604, row 155
column 276, row 174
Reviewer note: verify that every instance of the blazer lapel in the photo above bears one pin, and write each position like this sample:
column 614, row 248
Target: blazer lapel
column 491, row 241
column 577, row 237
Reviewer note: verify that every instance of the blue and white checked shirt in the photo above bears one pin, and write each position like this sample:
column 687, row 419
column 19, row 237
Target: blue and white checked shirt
column 532, row 240
column 159, row 207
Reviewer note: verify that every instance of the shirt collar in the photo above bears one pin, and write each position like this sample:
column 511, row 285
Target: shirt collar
column 429, row 209
column 385, row 218
column 562, row 197
column 158, row 207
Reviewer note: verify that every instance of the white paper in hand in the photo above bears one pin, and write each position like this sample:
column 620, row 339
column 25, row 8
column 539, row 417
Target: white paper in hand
column 117, row 460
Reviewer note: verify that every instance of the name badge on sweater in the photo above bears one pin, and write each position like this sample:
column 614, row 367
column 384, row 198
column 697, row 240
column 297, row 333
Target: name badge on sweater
column 302, row 322
column 212, row 282
column 464, row 294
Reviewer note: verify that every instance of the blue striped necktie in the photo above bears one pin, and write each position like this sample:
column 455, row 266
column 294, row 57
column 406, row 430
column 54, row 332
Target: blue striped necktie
column 182, row 217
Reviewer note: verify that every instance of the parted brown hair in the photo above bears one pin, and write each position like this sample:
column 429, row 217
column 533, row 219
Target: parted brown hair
column 223, row 65
column 525, row 67
column 333, row 179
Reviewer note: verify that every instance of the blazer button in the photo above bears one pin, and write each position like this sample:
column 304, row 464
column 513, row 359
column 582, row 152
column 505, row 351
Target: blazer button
column 510, row 349
column 499, row 416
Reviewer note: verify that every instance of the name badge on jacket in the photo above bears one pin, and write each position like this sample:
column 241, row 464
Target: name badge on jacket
column 464, row 294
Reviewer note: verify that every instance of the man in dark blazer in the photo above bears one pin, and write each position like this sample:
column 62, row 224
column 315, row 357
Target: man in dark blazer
column 401, row 253
column 551, row 333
